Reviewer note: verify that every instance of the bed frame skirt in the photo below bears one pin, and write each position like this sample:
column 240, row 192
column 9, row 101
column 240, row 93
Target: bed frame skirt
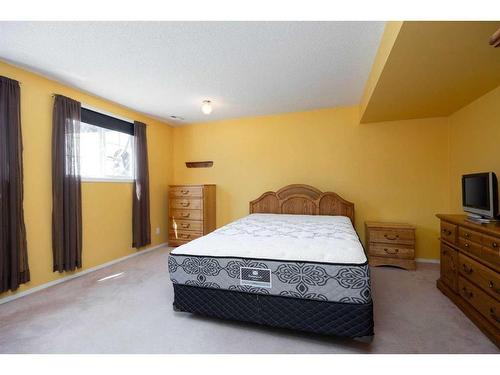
column 326, row 318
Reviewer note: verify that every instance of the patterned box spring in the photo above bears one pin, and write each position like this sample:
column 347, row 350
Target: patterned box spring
column 300, row 256
column 326, row 318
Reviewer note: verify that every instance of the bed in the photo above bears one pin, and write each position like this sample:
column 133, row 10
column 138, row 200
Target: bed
column 295, row 262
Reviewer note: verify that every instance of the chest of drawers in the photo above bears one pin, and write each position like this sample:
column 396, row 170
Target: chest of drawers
column 390, row 244
column 470, row 270
column 191, row 212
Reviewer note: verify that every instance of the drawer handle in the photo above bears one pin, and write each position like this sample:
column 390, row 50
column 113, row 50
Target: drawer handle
column 186, row 236
column 446, row 232
column 467, row 294
column 184, row 192
column 185, row 225
column 494, row 245
column 184, row 204
column 466, row 245
column 492, row 286
column 467, row 269
column 467, row 235
column 185, row 214
column 391, row 252
column 391, row 238
column 493, row 315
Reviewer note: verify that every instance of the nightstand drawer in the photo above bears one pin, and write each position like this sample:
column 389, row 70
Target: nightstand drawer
column 392, row 251
column 186, row 203
column 397, row 236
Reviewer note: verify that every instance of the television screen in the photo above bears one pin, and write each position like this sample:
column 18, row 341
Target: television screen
column 476, row 191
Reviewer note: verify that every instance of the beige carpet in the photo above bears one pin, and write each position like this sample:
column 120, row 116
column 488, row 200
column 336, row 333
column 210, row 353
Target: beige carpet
column 132, row 313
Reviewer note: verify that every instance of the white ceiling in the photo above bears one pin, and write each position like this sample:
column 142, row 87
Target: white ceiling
column 169, row 68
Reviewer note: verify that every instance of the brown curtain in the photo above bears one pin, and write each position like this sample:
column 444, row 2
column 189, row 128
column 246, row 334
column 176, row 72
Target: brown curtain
column 14, row 268
column 141, row 224
column 66, row 185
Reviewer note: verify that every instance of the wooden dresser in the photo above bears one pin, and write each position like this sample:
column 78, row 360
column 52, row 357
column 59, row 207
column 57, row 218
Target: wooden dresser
column 191, row 212
column 390, row 244
column 470, row 265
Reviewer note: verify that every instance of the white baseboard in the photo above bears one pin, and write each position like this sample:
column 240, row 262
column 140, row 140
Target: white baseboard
column 78, row 274
column 426, row 260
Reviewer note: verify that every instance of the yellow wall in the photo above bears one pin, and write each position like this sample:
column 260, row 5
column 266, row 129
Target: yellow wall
column 391, row 171
column 474, row 142
column 107, row 207
column 431, row 69
column 389, row 37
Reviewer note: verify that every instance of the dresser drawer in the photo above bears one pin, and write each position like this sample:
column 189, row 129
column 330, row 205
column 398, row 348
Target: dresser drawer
column 482, row 276
column 449, row 267
column 449, row 232
column 486, row 305
column 491, row 243
column 186, row 225
column 392, row 251
column 470, row 235
column 470, row 247
column 491, row 250
column 186, row 214
column 186, row 191
column 397, row 236
column 184, row 235
column 186, row 203
column 491, row 256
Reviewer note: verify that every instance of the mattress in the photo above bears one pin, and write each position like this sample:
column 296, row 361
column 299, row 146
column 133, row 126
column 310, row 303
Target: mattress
column 298, row 256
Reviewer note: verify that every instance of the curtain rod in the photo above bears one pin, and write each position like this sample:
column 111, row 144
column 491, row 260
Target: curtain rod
column 98, row 110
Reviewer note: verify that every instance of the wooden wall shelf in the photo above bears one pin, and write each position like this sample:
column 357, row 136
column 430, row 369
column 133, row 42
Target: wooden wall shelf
column 199, row 164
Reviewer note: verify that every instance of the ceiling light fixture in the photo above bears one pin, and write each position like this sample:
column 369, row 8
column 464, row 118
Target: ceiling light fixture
column 206, row 107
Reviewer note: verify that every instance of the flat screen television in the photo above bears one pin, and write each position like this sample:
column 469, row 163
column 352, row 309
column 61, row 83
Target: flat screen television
column 480, row 195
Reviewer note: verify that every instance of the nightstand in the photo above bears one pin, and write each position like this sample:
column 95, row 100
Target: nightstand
column 390, row 244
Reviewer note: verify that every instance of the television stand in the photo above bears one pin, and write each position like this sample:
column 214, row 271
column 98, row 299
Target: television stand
column 470, row 270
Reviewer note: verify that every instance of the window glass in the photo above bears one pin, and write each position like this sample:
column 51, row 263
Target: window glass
column 105, row 153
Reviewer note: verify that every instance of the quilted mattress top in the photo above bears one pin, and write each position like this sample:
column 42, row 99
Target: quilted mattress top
column 308, row 238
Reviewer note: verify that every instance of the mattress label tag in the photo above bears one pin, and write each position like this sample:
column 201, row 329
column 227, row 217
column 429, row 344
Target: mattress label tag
column 260, row 277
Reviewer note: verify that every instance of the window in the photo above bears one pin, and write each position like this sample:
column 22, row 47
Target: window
column 106, row 147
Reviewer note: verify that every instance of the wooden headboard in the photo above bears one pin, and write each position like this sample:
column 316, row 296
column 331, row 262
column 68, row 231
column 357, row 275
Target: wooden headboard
column 302, row 200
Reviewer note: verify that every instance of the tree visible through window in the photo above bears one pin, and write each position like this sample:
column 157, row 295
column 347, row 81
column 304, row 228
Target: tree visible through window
column 105, row 154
